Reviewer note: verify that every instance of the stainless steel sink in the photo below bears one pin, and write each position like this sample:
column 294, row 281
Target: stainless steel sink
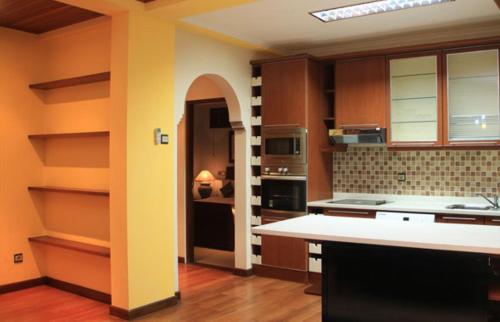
column 465, row 207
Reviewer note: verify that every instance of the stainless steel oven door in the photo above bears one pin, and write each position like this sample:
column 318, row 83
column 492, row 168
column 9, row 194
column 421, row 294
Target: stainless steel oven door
column 284, row 193
column 284, row 145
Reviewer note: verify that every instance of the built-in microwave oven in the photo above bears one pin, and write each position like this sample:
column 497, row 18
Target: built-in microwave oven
column 284, row 145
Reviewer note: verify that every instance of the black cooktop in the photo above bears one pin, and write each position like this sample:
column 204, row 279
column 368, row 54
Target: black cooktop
column 367, row 202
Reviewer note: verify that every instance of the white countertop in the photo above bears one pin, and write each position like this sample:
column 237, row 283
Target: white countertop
column 439, row 236
column 404, row 203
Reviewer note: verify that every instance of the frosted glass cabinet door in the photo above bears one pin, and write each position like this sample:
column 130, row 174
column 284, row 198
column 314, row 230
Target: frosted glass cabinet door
column 414, row 99
column 473, row 96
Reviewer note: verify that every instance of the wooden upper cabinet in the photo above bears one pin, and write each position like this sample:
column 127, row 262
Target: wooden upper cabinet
column 414, row 100
column 360, row 93
column 284, row 93
column 472, row 109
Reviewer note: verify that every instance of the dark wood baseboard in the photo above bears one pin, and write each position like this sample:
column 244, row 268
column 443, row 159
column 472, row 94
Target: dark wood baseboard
column 79, row 290
column 243, row 272
column 314, row 287
column 143, row 310
column 61, row 285
column 280, row 273
column 181, row 260
column 22, row 285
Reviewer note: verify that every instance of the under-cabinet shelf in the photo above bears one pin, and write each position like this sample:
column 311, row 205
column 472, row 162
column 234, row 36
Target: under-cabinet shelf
column 68, row 135
column 335, row 148
column 95, row 192
column 73, row 81
column 72, row 245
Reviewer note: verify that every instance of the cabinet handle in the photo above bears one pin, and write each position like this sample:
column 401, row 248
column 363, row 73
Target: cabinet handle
column 460, row 218
column 347, row 212
column 495, row 220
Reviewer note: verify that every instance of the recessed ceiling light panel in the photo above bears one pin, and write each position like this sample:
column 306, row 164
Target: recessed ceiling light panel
column 371, row 8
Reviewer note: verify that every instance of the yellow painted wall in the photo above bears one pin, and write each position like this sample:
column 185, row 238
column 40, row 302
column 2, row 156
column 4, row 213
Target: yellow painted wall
column 142, row 65
column 20, row 114
column 150, row 200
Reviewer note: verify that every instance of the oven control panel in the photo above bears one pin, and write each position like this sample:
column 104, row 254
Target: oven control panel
column 280, row 170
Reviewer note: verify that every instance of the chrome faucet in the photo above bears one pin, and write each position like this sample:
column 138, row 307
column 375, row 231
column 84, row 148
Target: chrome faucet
column 494, row 203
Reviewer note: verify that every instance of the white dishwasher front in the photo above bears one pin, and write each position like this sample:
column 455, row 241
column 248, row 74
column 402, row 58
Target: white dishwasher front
column 405, row 216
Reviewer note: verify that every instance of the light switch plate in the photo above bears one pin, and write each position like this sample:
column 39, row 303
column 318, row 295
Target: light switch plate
column 164, row 139
column 18, row 258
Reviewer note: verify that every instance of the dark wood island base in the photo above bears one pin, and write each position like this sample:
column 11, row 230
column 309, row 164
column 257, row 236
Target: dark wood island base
column 372, row 283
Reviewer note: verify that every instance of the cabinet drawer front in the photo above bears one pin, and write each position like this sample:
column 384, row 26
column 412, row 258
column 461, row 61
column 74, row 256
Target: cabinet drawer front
column 284, row 252
column 453, row 219
column 349, row 213
column 269, row 216
column 494, row 221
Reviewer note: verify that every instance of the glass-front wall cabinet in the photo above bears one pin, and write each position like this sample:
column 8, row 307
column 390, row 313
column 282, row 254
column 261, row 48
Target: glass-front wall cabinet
column 414, row 100
column 473, row 96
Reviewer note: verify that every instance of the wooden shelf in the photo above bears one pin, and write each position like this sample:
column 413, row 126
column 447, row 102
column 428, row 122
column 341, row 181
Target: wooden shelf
column 95, row 192
column 335, row 148
column 68, row 135
column 74, row 81
column 73, row 245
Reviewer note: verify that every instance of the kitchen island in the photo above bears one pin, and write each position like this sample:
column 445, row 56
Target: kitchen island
column 398, row 271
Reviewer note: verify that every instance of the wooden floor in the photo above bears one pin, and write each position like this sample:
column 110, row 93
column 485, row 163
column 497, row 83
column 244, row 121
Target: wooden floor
column 207, row 295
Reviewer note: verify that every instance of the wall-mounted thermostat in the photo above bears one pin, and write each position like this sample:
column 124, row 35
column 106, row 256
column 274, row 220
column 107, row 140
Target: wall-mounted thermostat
column 160, row 138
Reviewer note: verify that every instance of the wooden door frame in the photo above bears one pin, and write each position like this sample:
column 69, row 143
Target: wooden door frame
column 189, row 135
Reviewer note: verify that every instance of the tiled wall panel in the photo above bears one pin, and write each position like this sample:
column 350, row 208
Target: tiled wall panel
column 438, row 173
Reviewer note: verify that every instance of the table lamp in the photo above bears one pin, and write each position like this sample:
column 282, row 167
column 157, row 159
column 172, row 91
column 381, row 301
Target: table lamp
column 204, row 178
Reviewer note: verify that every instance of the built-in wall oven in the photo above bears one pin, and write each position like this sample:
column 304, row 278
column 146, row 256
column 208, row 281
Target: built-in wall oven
column 285, row 195
column 284, row 146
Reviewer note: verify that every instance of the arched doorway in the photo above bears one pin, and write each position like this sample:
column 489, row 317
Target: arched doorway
column 206, row 87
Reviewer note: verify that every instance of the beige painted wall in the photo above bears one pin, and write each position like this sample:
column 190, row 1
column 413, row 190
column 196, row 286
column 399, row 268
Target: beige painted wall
column 202, row 88
column 407, row 39
column 198, row 55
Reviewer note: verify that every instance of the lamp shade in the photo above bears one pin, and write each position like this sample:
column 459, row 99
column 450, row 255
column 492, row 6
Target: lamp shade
column 204, row 176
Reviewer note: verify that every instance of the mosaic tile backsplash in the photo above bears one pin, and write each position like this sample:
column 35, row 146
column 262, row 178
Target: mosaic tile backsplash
column 431, row 173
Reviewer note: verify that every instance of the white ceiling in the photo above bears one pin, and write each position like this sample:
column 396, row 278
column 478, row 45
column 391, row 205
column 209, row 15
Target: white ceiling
column 286, row 25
